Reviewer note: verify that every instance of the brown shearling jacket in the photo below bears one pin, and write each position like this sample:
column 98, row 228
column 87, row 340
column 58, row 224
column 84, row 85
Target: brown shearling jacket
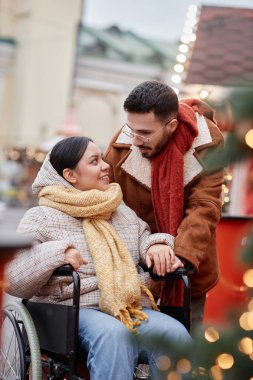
column 196, row 236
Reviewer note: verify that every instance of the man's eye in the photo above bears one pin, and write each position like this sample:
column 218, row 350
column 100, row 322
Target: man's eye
column 145, row 133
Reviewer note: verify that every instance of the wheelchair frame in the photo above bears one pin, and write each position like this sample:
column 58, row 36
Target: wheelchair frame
column 36, row 332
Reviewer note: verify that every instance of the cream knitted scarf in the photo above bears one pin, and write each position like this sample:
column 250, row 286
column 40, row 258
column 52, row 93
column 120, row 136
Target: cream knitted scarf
column 118, row 281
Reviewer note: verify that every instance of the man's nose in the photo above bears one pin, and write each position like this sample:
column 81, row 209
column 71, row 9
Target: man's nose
column 137, row 141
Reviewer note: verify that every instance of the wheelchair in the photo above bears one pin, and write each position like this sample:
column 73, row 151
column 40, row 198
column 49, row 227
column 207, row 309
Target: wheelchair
column 40, row 340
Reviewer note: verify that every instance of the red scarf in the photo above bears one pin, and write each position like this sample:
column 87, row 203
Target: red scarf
column 167, row 171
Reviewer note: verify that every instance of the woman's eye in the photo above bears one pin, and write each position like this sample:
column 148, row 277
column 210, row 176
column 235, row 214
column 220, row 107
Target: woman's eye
column 95, row 161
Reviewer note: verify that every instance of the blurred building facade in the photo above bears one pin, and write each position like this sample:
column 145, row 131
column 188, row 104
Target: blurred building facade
column 55, row 63
column 38, row 40
column 110, row 62
column 219, row 60
column 60, row 78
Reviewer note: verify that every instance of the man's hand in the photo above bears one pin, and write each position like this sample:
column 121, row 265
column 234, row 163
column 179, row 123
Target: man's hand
column 73, row 257
column 163, row 258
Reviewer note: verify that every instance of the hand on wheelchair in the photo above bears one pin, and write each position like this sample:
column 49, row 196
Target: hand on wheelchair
column 163, row 259
column 74, row 258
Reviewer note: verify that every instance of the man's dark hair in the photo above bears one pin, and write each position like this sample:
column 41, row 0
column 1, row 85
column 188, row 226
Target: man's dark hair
column 68, row 152
column 152, row 96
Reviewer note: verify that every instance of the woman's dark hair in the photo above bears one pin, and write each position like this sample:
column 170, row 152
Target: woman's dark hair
column 152, row 96
column 68, row 152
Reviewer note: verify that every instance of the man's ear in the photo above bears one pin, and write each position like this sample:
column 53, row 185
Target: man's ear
column 69, row 175
column 173, row 125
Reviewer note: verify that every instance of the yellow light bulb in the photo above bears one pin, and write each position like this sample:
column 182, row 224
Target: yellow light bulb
column 163, row 363
column 249, row 138
column 246, row 346
column 246, row 321
column 225, row 361
column 248, row 278
column 250, row 305
column 211, row 334
column 184, row 366
column 173, row 375
column 216, row 373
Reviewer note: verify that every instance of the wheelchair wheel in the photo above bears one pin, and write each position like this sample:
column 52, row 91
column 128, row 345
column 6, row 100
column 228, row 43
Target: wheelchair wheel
column 141, row 372
column 19, row 351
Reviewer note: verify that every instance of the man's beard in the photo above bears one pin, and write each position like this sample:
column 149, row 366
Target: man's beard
column 152, row 152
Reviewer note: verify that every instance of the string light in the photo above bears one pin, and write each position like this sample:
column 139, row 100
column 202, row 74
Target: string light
column 250, row 305
column 14, row 155
column 216, row 372
column 163, row 363
column 181, row 58
column 211, row 335
column 184, row 366
column 246, row 346
column 201, row 370
column 173, row 375
column 203, row 94
column 225, row 361
column 176, row 78
column 226, row 187
column 249, row 138
column 179, row 68
column 30, row 158
column 246, row 321
column 30, row 152
column 248, row 278
column 187, row 38
column 183, row 48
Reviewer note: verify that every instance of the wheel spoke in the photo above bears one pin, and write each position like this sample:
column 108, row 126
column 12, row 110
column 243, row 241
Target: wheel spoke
column 11, row 349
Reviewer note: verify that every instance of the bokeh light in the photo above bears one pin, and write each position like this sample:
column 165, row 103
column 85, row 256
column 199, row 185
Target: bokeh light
column 249, row 138
column 246, row 321
column 211, row 334
column 225, row 361
column 184, row 366
column 216, row 373
column 173, row 375
column 246, row 346
column 163, row 363
column 248, row 278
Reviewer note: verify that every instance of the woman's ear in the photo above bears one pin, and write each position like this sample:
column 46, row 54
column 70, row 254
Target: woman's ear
column 69, row 175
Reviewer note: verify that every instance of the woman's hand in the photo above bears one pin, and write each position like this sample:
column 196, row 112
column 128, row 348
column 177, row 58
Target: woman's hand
column 73, row 257
column 163, row 258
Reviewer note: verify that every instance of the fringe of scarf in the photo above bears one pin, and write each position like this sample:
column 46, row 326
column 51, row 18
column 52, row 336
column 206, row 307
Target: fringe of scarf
column 118, row 280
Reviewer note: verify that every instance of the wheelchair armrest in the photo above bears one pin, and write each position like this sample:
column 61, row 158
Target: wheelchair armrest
column 181, row 274
column 64, row 270
column 178, row 273
column 68, row 270
column 183, row 314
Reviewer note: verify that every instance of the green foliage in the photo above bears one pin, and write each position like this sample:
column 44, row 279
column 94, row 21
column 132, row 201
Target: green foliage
column 241, row 101
column 247, row 253
column 234, row 150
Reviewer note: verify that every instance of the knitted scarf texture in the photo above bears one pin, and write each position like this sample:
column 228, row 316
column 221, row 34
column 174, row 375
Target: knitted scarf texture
column 118, row 281
column 167, row 179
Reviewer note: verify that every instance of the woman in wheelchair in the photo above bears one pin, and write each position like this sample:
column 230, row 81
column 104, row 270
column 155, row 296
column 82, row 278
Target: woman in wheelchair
column 81, row 220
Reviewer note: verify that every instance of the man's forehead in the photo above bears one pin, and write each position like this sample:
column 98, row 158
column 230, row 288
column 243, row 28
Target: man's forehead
column 142, row 120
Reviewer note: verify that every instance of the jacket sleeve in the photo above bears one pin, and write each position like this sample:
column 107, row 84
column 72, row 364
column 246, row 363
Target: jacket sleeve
column 32, row 268
column 202, row 214
column 146, row 240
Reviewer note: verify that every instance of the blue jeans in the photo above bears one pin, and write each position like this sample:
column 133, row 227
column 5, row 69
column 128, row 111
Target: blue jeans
column 113, row 352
